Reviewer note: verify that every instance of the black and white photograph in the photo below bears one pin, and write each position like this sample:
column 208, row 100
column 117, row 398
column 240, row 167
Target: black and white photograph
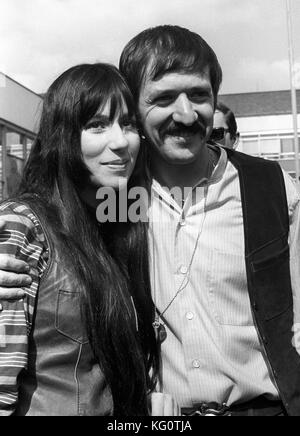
column 149, row 210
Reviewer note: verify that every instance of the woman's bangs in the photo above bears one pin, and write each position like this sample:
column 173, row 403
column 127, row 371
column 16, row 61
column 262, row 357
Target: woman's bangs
column 91, row 101
column 116, row 94
column 121, row 102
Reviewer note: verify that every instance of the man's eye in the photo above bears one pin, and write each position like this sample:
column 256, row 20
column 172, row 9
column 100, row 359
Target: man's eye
column 164, row 100
column 199, row 97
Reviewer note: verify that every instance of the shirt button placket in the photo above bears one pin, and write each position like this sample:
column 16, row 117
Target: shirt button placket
column 184, row 270
column 190, row 316
column 182, row 221
column 196, row 364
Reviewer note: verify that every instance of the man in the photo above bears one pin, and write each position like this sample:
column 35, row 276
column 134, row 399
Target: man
column 222, row 281
column 225, row 127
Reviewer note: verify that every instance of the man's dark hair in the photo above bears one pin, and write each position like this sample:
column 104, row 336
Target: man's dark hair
column 229, row 117
column 165, row 49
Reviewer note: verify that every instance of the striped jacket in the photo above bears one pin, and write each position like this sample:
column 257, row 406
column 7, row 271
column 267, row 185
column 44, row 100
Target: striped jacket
column 23, row 238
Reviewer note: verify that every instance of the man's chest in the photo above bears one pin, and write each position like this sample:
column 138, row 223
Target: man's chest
column 212, row 226
column 204, row 259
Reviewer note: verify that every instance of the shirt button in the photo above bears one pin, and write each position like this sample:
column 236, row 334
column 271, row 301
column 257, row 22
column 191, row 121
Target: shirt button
column 184, row 270
column 183, row 223
column 196, row 364
column 190, row 316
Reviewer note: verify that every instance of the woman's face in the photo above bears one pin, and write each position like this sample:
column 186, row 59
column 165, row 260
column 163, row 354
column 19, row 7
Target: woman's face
column 110, row 148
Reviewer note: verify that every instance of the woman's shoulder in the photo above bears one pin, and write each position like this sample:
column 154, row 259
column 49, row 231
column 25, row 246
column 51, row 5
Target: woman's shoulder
column 20, row 215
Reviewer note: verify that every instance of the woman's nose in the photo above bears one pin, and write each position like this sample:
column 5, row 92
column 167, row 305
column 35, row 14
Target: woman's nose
column 119, row 139
column 184, row 112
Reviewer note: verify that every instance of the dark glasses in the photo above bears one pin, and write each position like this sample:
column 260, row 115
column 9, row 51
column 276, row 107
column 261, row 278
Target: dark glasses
column 218, row 134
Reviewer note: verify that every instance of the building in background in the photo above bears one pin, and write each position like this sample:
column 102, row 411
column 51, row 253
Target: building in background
column 20, row 111
column 265, row 123
column 264, row 120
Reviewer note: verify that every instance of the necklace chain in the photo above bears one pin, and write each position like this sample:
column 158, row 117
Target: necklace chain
column 159, row 315
column 186, row 279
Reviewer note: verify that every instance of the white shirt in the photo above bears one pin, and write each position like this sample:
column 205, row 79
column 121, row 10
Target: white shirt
column 212, row 351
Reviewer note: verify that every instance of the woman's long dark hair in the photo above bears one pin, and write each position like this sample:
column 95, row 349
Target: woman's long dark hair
column 110, row 278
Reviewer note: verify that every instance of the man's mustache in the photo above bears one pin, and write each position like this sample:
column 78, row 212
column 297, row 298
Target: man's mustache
column 178, row 129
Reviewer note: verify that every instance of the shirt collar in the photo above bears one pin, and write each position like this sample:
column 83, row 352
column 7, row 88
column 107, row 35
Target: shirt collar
column 217, row 173
column 220, row 168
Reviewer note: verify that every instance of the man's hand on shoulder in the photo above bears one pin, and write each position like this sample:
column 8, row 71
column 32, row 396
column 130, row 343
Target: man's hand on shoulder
column 13, row 275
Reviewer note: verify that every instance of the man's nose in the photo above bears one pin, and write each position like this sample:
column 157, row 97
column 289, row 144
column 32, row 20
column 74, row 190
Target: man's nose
column 119, row 140
column 184, row 112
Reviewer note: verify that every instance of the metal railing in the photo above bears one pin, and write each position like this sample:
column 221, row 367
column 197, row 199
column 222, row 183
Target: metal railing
column 277, row 156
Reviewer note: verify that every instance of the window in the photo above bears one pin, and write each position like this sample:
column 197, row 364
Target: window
column 14, row 161
column 17, row 146
column 29, row 143
column 250, row 147
column 287, row 145
column 14, row 145
column 270, row 146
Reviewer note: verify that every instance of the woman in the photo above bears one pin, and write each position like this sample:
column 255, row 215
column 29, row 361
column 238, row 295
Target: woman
column 81, row 342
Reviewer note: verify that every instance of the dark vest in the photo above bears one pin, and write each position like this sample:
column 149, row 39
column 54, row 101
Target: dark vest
column 266, row 224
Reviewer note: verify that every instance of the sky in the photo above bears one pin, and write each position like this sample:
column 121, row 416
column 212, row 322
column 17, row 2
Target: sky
column 39, row 39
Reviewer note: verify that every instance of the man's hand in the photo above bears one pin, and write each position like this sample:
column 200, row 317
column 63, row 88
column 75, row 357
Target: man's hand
column 13, row 275
column 164, row 405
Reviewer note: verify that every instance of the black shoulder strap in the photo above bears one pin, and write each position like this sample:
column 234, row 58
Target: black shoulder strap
column 264, row 200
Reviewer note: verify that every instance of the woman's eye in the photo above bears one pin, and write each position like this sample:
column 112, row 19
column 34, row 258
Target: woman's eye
column 129, row 125
column 96, row 126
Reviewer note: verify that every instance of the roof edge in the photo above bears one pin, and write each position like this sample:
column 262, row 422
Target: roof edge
column 256, row 93
column 22, row 86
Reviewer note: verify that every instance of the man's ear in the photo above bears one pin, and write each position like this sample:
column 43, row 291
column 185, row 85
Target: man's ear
column 237, row 140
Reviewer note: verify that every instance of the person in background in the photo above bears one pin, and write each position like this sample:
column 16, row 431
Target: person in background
column 81, row 340
column 225, row 130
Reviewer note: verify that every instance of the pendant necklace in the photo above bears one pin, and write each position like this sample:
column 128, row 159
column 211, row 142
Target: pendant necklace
column 158, row 324
column 159, row 327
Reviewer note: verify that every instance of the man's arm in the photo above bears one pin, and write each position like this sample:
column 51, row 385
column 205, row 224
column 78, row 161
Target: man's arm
column 21, row 239
column 13, row 274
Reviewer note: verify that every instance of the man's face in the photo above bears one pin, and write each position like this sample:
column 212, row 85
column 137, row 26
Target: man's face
column 221, row 123
column 177, row 112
